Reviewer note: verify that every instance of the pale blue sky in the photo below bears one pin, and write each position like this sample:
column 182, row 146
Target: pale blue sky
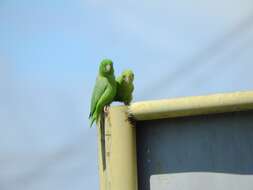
column 49, row 55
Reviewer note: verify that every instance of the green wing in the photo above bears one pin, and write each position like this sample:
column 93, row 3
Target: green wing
column 100, row 87
column 118, row 95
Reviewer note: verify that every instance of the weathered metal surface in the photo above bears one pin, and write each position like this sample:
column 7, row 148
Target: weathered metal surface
column 196, row 105
column 120, row 171
column 199, row 152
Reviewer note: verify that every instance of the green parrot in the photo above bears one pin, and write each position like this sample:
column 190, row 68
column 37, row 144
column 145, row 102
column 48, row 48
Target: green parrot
column 125, row 87
column 104, row 90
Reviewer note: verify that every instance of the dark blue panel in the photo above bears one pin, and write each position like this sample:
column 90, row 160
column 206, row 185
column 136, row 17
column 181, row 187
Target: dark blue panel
column 208, row 143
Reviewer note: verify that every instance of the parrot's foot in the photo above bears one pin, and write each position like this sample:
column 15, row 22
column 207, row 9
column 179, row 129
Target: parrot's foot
column 106, row 110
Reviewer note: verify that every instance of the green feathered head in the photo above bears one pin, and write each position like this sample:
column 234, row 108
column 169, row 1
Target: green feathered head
column 128, row 76
column 106, row 67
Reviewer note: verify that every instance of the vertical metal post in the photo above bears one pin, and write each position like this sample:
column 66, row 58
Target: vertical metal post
column 120, row 169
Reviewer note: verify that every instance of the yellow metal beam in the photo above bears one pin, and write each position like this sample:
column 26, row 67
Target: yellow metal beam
column 117, row 139
column 120, row 169
column 189, row 106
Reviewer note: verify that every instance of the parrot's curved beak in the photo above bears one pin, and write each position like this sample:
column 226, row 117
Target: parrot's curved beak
column 127, row 79
column 108, row 68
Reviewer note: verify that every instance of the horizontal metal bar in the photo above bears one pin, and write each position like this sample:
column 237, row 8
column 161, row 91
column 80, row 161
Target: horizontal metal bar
column 189, row 106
